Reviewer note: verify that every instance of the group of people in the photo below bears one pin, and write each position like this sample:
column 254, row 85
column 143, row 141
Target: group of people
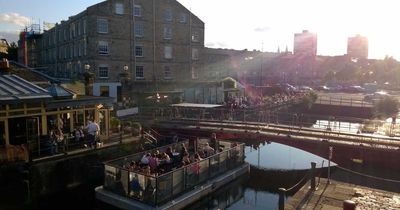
column 88, row 134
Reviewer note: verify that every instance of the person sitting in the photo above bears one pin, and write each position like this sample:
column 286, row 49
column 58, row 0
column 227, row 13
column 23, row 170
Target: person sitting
column 208, row 150
column 153, row 162
column 185, row 159
column 183, row 151
column 145, row 159
column 147, row 171
column 169, row 152
column 79, row 135
column 132, row 166
column 197, row 157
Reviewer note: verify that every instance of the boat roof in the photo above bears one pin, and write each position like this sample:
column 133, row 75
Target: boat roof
column 193, row 105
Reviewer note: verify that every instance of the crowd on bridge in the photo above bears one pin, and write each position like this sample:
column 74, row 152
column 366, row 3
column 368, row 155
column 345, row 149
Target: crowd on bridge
column 258, row 101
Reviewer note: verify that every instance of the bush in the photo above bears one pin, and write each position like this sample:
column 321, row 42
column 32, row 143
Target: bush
column 114, row 122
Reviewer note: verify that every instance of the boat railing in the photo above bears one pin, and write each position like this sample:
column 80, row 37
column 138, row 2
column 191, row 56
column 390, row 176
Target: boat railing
column 158, row 189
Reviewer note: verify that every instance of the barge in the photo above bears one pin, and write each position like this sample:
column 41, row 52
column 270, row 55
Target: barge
column 175, row 186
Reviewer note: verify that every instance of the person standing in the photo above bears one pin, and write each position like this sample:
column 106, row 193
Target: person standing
column 92, row 130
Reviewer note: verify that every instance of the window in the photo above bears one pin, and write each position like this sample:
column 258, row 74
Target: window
column 103, row 47
column 102, row 26
column 195, row 54
column 139, row 72
column 103, row 71
column 194, row 73
column 183, row 18
column 168, row 15
column 80, row 50
column 168, row 52
column 137, row 11
column 84, row 47
column 167, row 32
column 119, row 8
column 139, row 51
column 105, row 91
column 73, row 31
column 71, row 51
column 139, row 29
column 195, row 36
column 84, row 26
column 167, row 72
column 79, row 28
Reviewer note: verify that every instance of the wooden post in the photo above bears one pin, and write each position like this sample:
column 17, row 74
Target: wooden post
column 282, row 192
column 313, row 164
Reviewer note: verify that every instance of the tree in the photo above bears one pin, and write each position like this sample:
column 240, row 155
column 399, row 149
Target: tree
column 12, row 51
column 309, row 99
column 387, row 107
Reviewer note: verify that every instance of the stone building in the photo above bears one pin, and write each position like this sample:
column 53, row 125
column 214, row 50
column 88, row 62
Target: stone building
column 153, row 42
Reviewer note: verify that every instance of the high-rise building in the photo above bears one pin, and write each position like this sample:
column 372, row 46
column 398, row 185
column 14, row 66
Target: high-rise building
column 154, row 40
column 357, row 47
column 305, row 44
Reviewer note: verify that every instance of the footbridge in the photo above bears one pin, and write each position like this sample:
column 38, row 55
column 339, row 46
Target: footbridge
column 348, row 148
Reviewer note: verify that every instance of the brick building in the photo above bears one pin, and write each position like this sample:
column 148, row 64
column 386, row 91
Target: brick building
column 154, row 41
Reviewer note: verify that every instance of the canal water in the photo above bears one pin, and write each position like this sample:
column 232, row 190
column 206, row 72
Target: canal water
column 273, row 165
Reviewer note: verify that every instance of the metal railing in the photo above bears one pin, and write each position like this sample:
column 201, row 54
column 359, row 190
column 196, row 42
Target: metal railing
column 352, row 102
column 157, row 189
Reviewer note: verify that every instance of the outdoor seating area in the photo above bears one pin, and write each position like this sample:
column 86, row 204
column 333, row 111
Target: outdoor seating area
column 156, row 176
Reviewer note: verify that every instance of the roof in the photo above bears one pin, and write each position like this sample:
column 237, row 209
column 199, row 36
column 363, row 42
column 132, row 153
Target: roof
column 81, row 101
column 59, row 92
column 15, row 89
column 192, row 105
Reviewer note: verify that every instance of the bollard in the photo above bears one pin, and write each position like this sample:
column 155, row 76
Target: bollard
column 313, row 164
column 282, row 193
column 349, row 205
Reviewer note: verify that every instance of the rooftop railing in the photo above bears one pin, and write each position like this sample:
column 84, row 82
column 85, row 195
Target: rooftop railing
column 156, row 189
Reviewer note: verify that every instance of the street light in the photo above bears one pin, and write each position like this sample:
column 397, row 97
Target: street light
column 88, row 76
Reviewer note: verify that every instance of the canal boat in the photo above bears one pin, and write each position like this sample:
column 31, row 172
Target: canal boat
column 175, row 186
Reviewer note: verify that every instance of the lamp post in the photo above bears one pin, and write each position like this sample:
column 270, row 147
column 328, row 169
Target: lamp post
column 88, row 76
column 124, row 77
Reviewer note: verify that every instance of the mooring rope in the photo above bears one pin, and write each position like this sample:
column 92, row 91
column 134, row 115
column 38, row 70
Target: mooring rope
column 301, row 181
column 368, row 176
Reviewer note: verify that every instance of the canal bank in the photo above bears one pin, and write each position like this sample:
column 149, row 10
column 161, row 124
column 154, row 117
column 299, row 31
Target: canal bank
column 333, row 196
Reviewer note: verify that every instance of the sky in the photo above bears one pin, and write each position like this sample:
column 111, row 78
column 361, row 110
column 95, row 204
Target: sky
column 252, row 24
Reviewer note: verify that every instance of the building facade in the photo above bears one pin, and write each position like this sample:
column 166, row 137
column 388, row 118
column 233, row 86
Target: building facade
column 305, row 44
column 151, row 40
column 357, row 47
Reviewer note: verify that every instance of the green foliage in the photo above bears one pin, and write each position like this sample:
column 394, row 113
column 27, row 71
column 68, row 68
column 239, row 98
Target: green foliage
column 309, row 99
column 114, row 122
column 12, row 51
column 177, row 100
column 387, row 107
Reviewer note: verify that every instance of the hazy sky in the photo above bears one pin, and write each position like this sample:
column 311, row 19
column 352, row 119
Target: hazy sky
column 253, row 24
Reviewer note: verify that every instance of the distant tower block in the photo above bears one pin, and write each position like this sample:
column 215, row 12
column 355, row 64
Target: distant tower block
column 305, row 44
column 357, row 47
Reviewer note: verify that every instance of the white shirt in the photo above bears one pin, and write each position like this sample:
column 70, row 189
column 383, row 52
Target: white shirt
column 92, row 128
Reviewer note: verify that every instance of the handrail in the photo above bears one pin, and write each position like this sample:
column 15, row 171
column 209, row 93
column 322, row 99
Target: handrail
column 208, row 158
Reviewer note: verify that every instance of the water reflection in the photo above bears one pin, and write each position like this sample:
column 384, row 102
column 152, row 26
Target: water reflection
column 350, row 127
column 273, row 165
